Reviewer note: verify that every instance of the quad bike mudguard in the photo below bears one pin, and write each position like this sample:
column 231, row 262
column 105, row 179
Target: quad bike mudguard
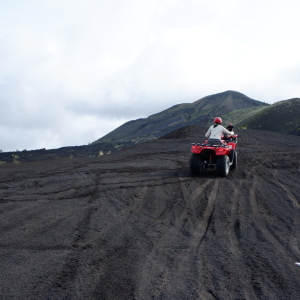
column 220, row 150
column 231, row 145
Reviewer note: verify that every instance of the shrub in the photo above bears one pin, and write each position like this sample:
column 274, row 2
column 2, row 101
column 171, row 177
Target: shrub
column 15, row 159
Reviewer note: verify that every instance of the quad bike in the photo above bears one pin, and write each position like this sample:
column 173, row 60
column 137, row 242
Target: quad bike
column 221, row 156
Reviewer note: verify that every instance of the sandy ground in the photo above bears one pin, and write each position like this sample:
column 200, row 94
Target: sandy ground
column 137, row 225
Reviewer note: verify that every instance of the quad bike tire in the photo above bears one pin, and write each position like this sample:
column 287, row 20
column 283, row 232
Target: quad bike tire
column 222, row 165
column 233, row 153
column 196, row 164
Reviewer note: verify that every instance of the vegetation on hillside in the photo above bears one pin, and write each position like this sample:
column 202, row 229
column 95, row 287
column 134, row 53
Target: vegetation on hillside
column 283, row 116
column 239, row 115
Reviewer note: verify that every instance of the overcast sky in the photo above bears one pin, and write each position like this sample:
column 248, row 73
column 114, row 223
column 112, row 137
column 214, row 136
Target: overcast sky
column 73, row 70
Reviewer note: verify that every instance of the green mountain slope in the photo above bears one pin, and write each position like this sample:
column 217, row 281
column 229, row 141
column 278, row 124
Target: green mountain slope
column 283, row 116
column 239, row 115
column 201, row 112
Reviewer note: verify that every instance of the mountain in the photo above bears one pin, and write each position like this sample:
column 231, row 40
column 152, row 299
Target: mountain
column 201, row 112
column 283, row 116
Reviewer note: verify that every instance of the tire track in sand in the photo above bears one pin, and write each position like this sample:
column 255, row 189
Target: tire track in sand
column 64, row 280
column 190, row 199
column 294, row 242
column 204, row 224
column 170, row 252
column 257, row 217
column 201, row 229
column 234, row 234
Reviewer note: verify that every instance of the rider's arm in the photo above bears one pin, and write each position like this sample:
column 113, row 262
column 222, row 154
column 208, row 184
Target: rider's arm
column 228, row 132
column 208, row 132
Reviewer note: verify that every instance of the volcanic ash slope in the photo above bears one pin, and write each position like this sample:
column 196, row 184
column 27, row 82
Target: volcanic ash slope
column 137, row 225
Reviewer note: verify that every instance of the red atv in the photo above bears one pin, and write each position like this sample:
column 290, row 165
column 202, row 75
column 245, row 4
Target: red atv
column 213, row 154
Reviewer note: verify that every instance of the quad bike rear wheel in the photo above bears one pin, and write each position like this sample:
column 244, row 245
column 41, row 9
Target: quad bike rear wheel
column 222, row 165
column 196, row 163
column 234, row 160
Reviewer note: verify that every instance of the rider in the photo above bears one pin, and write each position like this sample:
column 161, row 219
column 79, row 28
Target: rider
column 230, row 127
column 215, row 132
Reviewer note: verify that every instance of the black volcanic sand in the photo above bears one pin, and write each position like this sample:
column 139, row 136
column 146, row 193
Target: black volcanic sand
column 137, row 225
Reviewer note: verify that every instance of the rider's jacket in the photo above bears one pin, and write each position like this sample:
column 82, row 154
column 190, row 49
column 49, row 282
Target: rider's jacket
column 216, row 132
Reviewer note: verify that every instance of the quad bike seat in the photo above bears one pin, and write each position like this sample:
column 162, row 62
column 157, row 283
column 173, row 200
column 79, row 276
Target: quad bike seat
column 214, row 142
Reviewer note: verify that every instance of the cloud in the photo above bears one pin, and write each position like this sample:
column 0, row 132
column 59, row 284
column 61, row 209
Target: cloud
column 72, row 71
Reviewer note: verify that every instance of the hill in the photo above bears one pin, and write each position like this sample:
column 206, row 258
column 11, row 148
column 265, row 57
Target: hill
column 137, row 225
column 63, row 152
column 283, row 116
column 201, row 112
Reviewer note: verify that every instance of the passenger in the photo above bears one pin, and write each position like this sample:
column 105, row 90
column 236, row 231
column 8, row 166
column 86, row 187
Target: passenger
column 215, row 132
